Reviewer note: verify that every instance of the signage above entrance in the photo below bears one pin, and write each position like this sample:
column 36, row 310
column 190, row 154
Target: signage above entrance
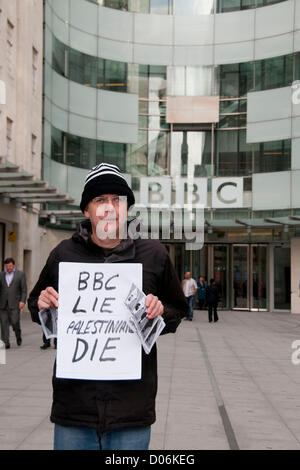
column 167, row 191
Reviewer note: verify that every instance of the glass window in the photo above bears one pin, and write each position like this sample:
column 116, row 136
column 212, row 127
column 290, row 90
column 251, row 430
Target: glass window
column 199, row 81
column 233, row 156
column 57, row 146
column 58, row 56
column 263, row 3
column 112, row 152
column 83, row 68
column 232, row 5
column 191, row 153
column 193, row 7
column 273, row 73
column 115, row 75
column 272, row 156
column 236, row 79
column 282, row 278
column 158, row 148
column 297, row 66
column 162, row 7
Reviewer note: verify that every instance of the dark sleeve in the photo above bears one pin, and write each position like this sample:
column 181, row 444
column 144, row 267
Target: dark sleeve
column 172, row 297
column 45, row 280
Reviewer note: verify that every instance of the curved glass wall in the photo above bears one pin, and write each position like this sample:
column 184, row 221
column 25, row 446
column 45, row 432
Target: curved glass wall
column 230, row 80
column 183, row 7
column 193, row 153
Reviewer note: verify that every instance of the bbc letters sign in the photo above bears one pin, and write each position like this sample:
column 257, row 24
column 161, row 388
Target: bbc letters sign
column 226, row 193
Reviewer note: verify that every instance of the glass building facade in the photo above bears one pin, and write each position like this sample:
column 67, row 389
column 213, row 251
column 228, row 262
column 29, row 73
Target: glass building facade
column 108, row 89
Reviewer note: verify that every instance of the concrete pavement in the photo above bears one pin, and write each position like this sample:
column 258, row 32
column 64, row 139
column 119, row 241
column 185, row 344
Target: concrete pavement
column 225, row 385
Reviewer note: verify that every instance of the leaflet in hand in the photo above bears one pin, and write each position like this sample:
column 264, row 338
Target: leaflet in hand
column 146, row 328
column 48, row 318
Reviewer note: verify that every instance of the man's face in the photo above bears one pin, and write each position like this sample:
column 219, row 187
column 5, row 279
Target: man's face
column 9, row 267
column 188, row 275
column 108, row 215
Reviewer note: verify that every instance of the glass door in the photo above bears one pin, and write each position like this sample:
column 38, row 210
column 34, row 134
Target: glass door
column 258, row 278
column 220, row 271
column 240, row 282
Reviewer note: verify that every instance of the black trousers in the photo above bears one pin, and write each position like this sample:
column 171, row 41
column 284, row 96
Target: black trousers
column 212, row 308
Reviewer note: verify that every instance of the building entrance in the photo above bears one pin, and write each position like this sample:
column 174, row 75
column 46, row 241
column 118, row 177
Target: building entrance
column 240, row 272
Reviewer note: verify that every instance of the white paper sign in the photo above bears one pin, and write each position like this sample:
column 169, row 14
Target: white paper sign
column 95, row 339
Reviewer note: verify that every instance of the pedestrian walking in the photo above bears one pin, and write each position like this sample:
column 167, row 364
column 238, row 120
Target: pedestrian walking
column 212, row 300
column 189, row 287
column 47, row 343
column 13, row 292
column 201, row 292
column 115, row 414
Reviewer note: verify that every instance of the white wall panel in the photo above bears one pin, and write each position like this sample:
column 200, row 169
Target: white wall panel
column 118, row 107
column 152, row 55
column 295, row 127
column 115, row 24
column 193, row 55
column 194, row 30
column 115, row 50
column 60, row 29
column 83, row 15
column 117, row 132
column 268, row 131
column 61, row 8
column 296, row 154
column 83, row 42
column 235, row 26
column 234, row 52
column 83, row 100
column 264, row 194
column 82, row 126
column 274, row 46
column 295, row 196
column 269, row 105
column 153, row 29
column 60, row 118
column 275, row 19
column 60, row 93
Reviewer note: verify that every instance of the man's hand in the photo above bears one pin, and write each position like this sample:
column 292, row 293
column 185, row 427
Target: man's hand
column 48, row 298
column 21, row 305
column 154, row 306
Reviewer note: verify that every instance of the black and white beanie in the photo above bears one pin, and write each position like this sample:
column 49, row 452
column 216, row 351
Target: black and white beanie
column 105, row 179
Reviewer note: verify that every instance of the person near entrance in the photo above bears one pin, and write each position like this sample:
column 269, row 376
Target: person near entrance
column 212, row 300
column 201, row 292
column 109, row 414
column 13, row 292
column 189, row 287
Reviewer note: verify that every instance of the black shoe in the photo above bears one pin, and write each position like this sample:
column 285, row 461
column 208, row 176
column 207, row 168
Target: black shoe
column 19, row 341
column 190, row 319
column 7, row 346
column 45, row 346
column 216, row 320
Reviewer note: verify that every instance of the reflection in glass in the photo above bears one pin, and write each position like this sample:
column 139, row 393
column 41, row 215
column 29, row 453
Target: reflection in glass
column 233, row 156
column 275, row 72
column 272, row 156
column 236, row 79
column 193, row 7
column 190, row 81
column 240, row 277
column 191, row 154
column 282, row 278
column 224, row 6
column 158, row 147
column 259, row 277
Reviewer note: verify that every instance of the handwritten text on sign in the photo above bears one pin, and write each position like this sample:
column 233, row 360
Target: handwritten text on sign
column 95, row 341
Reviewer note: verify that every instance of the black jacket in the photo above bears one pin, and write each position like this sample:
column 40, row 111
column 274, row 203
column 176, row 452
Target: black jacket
column 108, row 405
column 212, row 295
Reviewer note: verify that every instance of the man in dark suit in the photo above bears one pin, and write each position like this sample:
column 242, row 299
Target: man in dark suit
column 13, row 293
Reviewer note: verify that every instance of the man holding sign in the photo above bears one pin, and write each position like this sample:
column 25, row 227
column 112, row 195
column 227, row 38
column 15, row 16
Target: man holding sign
column 104, row 383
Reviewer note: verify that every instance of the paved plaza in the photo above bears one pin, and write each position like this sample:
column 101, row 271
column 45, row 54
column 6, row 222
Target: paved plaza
column 225, row 385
